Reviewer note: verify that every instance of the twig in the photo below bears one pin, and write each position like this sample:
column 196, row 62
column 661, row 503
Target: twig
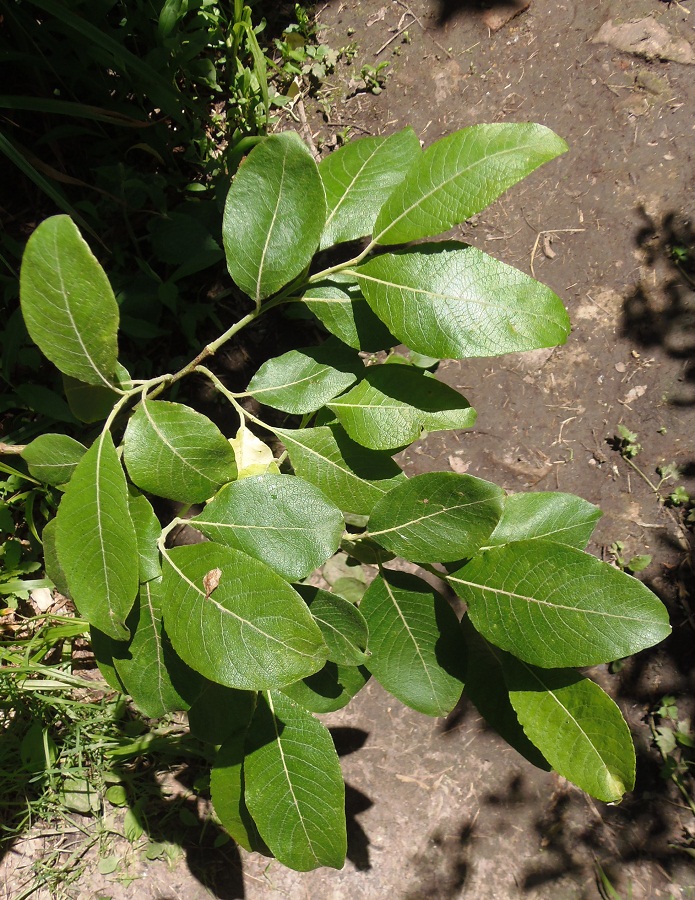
column 392, row 39
column 408, row 9
column 550, row 231
column 305, row 128
column 11, row 448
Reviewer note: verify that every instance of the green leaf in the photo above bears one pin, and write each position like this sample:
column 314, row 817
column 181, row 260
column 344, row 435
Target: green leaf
column 342, row 625
column 51, row 563
column 555, row 606
column 227, row 790
column 52, row 458
column 104, row 648
column 280, row 519
column 353, row 477
column 562, row 518
column 294, row 788
column 149, row 669
column 302, row 381
column 340, row 305
column 96, row 542
column 359, row 178
column 253, row 631
column 418, row 652
column 460, row 175
column 486, row 689
column 147, row 532
column 219, row 712
column 453, row 301
column 392, row 406
column 274, row 215
column 175, row 452
column 93, row 402
column 577, row 727
column 437, row 517
column 67, row 302
column 330, row 689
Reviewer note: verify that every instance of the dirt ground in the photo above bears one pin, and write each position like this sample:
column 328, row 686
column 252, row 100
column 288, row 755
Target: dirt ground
column 443, row 809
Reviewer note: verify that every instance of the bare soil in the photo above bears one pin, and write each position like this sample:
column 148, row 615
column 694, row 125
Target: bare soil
column 444, row 809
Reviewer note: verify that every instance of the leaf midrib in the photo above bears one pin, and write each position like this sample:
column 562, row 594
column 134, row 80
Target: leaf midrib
column 440, row 512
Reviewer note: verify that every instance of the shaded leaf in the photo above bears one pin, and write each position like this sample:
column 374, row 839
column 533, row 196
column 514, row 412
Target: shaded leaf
column 93, row 402
column 342, row 625
column 280, row 519
column 418, row 652
column 330, row 689
column 175, row 452
column 273, row 216
column 147, row 532
column 219, row 712
column 577, row 727
column 353, row 477
column 252, row 632
column 340, row 305
column 459, row 175
column 562, row 518
column 68, row 304
column 304, row 380
column 359, row 177
column 453, row 301
column 227, row 792
column 554, row 606
column 392, row 406
column 437, row 517
column 95, row 540
column 51, row 563
column 293, row 785
column 52, row 458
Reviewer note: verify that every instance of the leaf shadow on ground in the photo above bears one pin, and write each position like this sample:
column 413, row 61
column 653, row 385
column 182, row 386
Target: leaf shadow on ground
column 450, row 9
column 659, row 312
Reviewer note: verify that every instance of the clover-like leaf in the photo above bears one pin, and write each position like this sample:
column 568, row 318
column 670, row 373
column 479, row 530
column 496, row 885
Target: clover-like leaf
column 274, row 215
column 418, row 652
column 252, row 631
column 437, row 517
column 359, row 177
column 554, row 606
column 392, row 406
column 282, row 520
column 452, row 301
column 293, row 785
column 175, row 452
column 459, row 175
column 95, row 540
column 68, row 304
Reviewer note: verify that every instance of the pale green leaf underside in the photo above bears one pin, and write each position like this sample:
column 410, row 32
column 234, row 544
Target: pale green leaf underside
column 67, row 302
column 353, row 477
column 95, row 540
column 577, row 726
column 437, row 517
column 562, row 518
column 149, row 664
column 273, row 216
column 340, row 305
column 556, row 606
column 52, row 458
column 303, row 381
column 359, row 178
column 294, row 787
column 453, row 301
column 175, row 452
column 392, row 406
column 282, row 520
column 252, row 632
column 460, row 175
column 418, row 653
column 342, row 625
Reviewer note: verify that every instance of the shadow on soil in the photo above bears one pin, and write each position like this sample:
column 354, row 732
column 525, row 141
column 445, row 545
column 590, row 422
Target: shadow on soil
column 660, row 311
column 450, row 9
